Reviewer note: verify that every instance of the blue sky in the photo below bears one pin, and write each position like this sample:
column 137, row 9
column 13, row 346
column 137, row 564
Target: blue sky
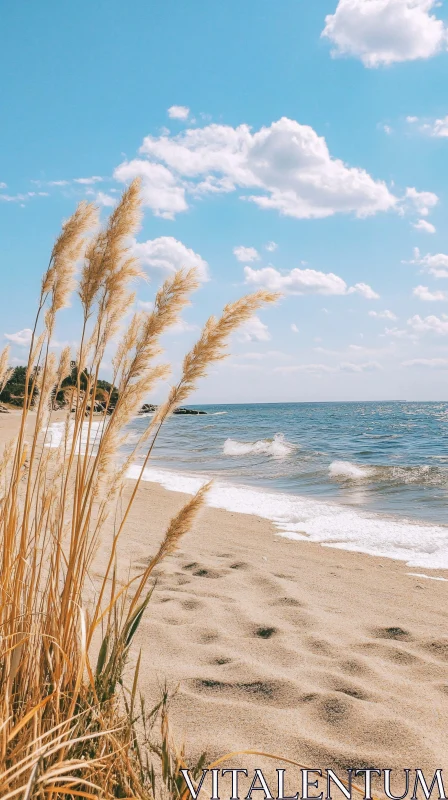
column 319, row 127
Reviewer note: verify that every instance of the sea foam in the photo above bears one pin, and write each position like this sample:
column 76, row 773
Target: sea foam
column 56, row 432
column 347, row 470
column 307, row 519
column 277, row 447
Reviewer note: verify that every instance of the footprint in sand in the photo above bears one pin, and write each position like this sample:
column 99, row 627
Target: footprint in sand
column 438, row 648
column 191, row 605
column 282, row 694
column 265, row 633
column 394, row 632
column 207, row 573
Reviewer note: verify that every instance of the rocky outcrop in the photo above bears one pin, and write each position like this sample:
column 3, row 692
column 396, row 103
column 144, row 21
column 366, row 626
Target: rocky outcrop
column 188, row 411
column 148, row 408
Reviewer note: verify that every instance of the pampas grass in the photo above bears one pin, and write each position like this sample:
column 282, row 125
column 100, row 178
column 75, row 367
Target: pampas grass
column 66, row 727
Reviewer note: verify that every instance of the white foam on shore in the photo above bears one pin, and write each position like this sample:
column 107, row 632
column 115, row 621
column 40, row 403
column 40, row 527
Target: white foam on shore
column 306, row 519
column 56, row 432
column 277, row 447
column 429, row 577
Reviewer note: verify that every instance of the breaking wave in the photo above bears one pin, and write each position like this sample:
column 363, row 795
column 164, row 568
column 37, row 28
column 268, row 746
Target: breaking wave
column 349, row 471
column 277, row 447
column 423, row 474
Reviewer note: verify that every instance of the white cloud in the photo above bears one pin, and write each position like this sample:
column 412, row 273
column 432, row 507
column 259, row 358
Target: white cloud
column 398, row 333
column 298, row 281
column 430, row 363
column 105, row 199
column 387, row 129
column 254, row 330
column 386, row 314
column 181, row 326
column 89, row 181
column 271, row 246
column 311, row 368
column 431, row 324
column 381, row 32
column 345, row 366
column 22, row 338
column 287, row 164
column 54, row 183
column 277, row 354
column 161, row 191
column 294, row 328
column 3, row 185
column 424, row 226
column 436, row 264
column 440, row 127
column 246, row 254
column 168, row 254
column 367, row 366
column 364, row 290
column 305, row 281
column 422, row 201
column 423, row 293
column 178, row 112
column 21, row 198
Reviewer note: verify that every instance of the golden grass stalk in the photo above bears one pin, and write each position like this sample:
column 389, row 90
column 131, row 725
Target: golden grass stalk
column 65, row 727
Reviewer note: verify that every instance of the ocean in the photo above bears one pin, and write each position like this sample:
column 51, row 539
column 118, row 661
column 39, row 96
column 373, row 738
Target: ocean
column 368, row 477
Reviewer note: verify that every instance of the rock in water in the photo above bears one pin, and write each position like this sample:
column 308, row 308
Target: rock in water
column 188, row 411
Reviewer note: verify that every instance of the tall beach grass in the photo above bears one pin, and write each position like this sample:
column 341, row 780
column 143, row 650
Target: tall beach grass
column 70, row 726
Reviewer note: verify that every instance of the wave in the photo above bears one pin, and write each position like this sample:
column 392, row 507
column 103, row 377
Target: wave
column 349, row 471
column 277, row 447
column 56, row 434
column 307, row 519
column 423, row 474
column 216, row 413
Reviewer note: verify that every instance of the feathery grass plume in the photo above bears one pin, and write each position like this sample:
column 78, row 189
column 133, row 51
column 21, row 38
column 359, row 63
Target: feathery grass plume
column 67, row 248
column 45, row 384
column 108, row 271
column 169, row 302
column 35, row 352
column 63, row 367
column 4, row 359
column 211, row 347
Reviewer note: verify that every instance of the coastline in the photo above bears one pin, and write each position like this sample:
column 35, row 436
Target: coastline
column 315, row 653
column 333, row 658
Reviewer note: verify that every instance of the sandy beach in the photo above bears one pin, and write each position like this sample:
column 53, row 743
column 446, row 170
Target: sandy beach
column 333, row 658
